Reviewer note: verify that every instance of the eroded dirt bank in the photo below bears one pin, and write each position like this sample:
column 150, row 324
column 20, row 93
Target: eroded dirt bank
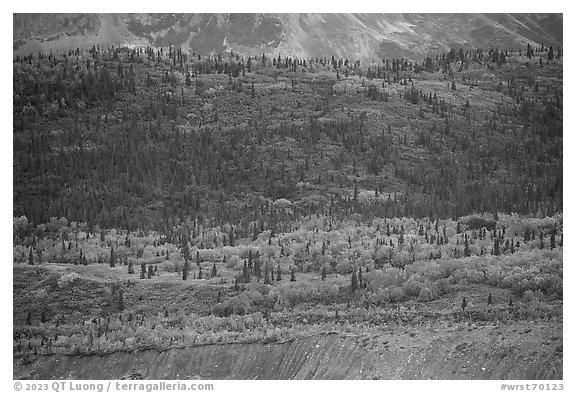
column 460, row 351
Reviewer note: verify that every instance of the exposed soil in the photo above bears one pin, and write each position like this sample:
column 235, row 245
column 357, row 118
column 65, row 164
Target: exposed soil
column 442, row 351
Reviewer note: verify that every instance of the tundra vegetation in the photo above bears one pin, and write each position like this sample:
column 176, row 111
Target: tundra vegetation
column 164, row 199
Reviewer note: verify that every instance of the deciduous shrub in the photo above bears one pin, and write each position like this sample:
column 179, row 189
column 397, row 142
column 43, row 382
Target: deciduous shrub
column 67, row 279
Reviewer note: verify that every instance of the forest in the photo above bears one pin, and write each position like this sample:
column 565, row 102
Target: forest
column 169, row 199
column 152, row 140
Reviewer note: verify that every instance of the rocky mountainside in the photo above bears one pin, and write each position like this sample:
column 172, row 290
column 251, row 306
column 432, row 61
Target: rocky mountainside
column 363, row 36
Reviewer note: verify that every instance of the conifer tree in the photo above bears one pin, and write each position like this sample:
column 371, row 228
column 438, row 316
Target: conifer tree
column 120, row 300
column 245, row 273
column 185, row 270
column 529, row 51
column 112, row 257
column 467, row 252
column 257, row 270
column 231, row 237
column 526, row 235
column 496, row 246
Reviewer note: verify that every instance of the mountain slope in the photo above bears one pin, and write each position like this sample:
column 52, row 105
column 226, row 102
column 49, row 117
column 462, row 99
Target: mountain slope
column 363, row 36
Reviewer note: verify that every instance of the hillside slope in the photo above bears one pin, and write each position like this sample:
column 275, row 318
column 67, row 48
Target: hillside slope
column 358, row 36
column 461, row 351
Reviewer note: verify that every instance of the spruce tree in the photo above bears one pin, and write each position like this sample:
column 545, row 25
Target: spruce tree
column 257, row 270
column 112, row 257
column 185, row 270
column 245, row 274
column 231, row 237
column 467, row 252
column 526, row 235
column 120, row 301
column 354, row 283
column 496, row 246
